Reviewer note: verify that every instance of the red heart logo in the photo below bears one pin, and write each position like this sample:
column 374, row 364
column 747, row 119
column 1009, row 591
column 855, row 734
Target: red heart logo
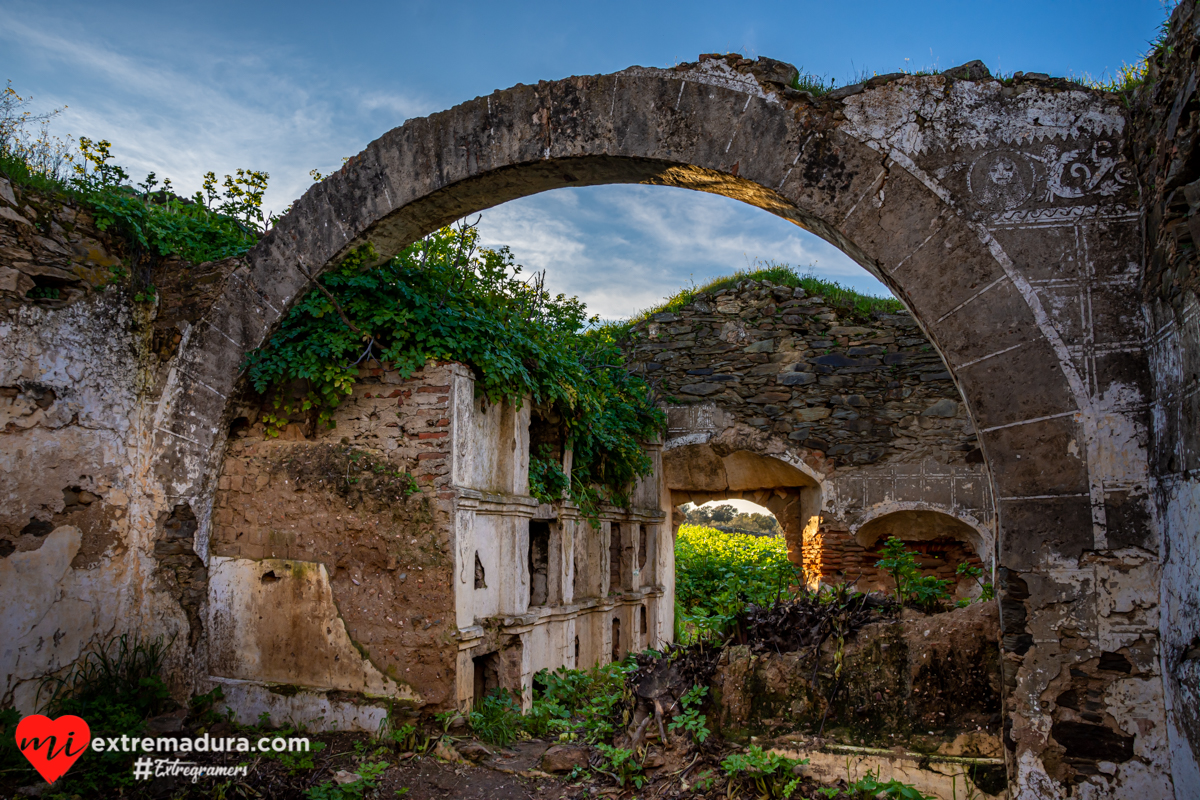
column 52, row 745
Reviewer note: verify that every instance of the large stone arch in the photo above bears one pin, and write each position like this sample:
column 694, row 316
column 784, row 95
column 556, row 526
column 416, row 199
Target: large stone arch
column 1003, row 215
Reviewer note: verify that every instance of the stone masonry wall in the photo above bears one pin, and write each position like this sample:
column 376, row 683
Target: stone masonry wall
column 859, row 389
column 863, row 395
column 1166, row 150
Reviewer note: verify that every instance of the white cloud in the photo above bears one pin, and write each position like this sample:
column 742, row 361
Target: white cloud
column 180, row 112
column 624, row 248
column 201, row 112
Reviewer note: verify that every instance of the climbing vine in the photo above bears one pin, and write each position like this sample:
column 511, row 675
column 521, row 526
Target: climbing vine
column 445, row 298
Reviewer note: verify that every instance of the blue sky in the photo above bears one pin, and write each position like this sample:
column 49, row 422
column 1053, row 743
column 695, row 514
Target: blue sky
column 288, row 87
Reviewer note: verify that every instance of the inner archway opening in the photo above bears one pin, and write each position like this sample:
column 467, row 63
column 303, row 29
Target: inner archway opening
column 733, row 516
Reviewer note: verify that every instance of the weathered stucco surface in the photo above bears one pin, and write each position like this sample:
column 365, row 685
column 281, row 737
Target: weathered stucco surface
column 1006, row 216
column 394, row 559
column 1166, row 149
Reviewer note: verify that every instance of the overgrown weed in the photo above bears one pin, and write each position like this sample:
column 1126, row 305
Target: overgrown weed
column 835, row 294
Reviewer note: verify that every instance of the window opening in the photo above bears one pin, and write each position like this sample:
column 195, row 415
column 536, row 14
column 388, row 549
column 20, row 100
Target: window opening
column 480, row 582
column 614, row 557
column 487, row 675
column 539, row 563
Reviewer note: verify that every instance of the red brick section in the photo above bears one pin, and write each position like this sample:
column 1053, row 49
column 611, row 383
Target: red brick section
column 836, row 556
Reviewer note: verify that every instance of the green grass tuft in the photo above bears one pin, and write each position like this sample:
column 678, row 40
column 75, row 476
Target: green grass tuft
column 836, row 295
column 816, row 85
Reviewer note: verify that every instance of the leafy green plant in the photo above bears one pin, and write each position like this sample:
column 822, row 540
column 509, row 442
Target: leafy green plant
column 547, row 718
column 405, row 739
column 297, row 761
column 770, row 773
column 622, row 766
column 899, row 562
column 368, row 773
column 219, row 222
column 497, row 719
column 986, row 590
column 548, row 483
column 203, row 707
column 705, row 780
column 691, row 721
column 871, row 787
column 926, row 592
column 447, row 719
column 580, row 703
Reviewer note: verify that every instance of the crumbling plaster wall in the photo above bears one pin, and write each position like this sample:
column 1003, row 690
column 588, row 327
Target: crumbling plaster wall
column 333, row 556
column 1166, row 149
column 88, row 545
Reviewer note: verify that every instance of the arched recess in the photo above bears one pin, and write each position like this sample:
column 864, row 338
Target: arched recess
column 941, row 538
column 918, row 521
column 699, row 473
column 1002, row 215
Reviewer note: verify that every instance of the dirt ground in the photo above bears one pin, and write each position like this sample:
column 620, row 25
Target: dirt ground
column 506, row 774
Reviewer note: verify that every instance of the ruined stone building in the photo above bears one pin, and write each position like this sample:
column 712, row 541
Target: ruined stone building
column 1042, row 236
column 845, row 424
column 338, row 582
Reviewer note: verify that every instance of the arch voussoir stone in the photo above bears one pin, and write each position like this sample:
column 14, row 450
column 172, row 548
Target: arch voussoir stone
column 961, row 196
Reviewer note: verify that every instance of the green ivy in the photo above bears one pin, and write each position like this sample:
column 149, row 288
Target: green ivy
column 547, row 480
column 444, row 298
column 770, row 773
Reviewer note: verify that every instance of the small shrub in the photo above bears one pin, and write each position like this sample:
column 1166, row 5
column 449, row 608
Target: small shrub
column 927, row 592
column 580, row 703
column 986, row 590
column 622, row 766
column 297, row 761
column 691, row 721
column 770, row 773
column 547, row 480
column 331, row 790
column 405, row 739
column 923, row 591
